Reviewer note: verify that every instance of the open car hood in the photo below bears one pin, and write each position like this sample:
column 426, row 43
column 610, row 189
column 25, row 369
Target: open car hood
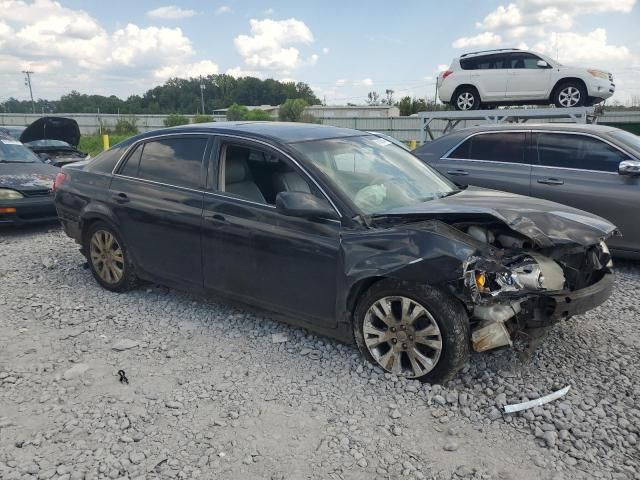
column 53, row 128
column 545, row 223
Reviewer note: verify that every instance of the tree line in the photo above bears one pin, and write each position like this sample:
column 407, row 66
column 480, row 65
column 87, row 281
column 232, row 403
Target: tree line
column 177, row 95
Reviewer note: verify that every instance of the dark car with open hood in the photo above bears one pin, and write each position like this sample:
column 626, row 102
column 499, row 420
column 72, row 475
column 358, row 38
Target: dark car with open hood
column 55, row 140
column 25, row 185
column 337, row 231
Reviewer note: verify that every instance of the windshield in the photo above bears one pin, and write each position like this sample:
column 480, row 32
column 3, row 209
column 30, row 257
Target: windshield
column 627, row 138
column 12, row 151
column 374, row 173
column 47, row 143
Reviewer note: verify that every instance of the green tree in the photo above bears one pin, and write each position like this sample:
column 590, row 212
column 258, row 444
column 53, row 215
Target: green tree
column 175, row 119
column 237, row 112
column 202, row 119
column 291, row 110
column 126, row 126
column 258, row 115
column 373, row 99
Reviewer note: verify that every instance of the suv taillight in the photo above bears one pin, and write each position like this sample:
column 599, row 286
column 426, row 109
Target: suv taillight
column 60, row 179
column 446, row 73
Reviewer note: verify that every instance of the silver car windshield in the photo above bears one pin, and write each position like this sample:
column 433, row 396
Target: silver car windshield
column 12, row 151
column 374, row 173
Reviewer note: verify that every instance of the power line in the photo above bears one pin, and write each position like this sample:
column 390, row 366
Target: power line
column 27, row 81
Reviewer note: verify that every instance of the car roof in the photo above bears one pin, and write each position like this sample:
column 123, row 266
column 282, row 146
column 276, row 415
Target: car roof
column 282, row 132
column 492, row 52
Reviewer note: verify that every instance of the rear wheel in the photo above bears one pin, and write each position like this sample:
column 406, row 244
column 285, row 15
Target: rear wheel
column 413, row 331
column 108, row 258
column 570, row 94
column 466, row 98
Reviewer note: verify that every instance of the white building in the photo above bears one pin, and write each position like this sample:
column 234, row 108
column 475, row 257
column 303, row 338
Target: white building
column 378, row 111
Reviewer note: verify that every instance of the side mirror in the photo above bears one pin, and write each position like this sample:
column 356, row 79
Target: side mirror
column 304, row 205
column 542, row 64
column 629, row 167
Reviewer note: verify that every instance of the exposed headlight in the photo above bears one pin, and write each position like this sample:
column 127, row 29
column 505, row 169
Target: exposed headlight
column 605, row 249
column 599, row 74
column 8, row 194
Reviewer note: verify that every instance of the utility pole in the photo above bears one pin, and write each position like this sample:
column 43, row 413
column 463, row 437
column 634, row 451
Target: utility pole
column 27, row 81
column 202, row 95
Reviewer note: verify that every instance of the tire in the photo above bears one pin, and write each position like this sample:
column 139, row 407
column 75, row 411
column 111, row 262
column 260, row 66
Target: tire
column 570, row 94
column 465, row 99
column 108, row 258
column 444, row 324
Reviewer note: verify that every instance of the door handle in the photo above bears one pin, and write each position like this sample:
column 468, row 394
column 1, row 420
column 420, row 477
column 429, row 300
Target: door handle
column 551, row 181
column 457, row 172
column 120, row 197
column 216, row 217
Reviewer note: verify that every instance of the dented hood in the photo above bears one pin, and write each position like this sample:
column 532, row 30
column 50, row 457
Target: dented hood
column 544, row 222
column 25, row 177
column 53, row 128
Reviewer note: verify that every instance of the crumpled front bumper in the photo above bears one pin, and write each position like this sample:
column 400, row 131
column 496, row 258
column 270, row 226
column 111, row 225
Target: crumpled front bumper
column 567, row 304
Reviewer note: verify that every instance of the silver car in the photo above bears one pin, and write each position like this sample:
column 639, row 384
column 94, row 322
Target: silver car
column 591, row 167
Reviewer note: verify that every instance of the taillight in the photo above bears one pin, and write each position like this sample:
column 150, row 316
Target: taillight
column 446, row 73
column 60, row 179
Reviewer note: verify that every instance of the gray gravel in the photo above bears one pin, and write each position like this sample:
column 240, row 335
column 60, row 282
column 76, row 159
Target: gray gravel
column 215, row 392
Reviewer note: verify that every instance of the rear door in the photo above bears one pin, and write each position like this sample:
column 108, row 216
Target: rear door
column 156, row 196
column 582, row 171
column 525, row 79
column 497, row 160
column 489, row 74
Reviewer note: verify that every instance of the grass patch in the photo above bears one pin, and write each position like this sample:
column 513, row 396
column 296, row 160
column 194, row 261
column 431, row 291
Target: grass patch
column 92, row 144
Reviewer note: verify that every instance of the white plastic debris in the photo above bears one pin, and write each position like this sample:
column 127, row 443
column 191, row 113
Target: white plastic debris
column 516, row 407
column 279, row 338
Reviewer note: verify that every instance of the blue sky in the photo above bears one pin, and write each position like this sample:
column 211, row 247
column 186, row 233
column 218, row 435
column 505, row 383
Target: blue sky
column 343, row 49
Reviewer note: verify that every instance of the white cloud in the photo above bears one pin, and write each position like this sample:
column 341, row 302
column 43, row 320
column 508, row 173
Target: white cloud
column 367, row 82
column 442, row 67
column 508, row 16
column 170, row 12
column 325, row 50
column 341, row 82
column 574, row 48
column 238, row 72
column 221, row 10
column 77, row 52
column 203, row 67
column 269, row 45
column 485, row 39
column 269, row 12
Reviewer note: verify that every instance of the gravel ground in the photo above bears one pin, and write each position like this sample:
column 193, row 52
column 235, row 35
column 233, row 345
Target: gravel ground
column 215, row 392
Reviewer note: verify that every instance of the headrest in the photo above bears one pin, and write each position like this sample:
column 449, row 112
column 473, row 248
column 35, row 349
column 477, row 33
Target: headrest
column 236, row 170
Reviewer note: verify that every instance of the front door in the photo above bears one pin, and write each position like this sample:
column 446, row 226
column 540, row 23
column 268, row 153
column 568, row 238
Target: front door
column 582, row 171
column 489, row 74
column 527, row 80
column 253, row 252
column 156, row 196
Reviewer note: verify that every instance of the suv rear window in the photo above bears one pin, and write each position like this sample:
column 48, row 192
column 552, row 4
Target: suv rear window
column 577, row 151
column 496, row 147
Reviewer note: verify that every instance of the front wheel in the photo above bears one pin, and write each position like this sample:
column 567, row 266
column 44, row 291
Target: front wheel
column 570, row 94
column 413, row 331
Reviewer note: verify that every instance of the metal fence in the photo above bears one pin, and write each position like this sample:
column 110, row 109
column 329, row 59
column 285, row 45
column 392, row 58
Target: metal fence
column 403, row 128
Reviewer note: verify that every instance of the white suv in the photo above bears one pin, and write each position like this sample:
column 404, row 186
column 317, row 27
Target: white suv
column 518, row 77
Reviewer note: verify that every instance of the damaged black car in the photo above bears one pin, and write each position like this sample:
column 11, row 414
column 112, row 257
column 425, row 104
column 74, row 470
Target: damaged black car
column 55, row 140
column 336, row 231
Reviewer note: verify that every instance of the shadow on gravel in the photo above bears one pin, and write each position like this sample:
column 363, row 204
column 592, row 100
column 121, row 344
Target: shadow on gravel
column 22, row 231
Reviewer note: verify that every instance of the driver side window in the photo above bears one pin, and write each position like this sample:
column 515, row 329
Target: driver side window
column 257, row 175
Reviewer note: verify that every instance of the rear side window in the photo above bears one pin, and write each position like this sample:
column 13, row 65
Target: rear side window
column 486, row 62
column 175, row 161
column 130, row 168
column 577, row 151
column 495, row 147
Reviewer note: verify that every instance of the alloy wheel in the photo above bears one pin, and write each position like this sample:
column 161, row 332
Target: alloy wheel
column 402, row 336
column 107, row 257
column 465, row 101
column 569, row 97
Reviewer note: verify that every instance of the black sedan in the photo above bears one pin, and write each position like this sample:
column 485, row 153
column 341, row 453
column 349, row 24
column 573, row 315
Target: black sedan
column 339, row 232
column 25, row 185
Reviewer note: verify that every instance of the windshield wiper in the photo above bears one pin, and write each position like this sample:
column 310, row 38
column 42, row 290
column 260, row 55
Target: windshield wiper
column 452, row 192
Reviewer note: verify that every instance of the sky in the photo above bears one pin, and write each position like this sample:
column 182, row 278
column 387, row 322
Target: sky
column 343, row 49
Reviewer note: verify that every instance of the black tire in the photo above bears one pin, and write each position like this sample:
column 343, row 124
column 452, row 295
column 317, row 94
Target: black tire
column 449, row 315
column 570, row 94
column 466, row 96
column 128, row 280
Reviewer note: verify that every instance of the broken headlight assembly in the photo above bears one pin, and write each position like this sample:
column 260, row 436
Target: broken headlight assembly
column 530, row 272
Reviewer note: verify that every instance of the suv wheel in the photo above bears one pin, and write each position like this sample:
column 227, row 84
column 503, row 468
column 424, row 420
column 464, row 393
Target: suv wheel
column 108, row 258
column 466, row 99
column 412, row 331
column 570, row 94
